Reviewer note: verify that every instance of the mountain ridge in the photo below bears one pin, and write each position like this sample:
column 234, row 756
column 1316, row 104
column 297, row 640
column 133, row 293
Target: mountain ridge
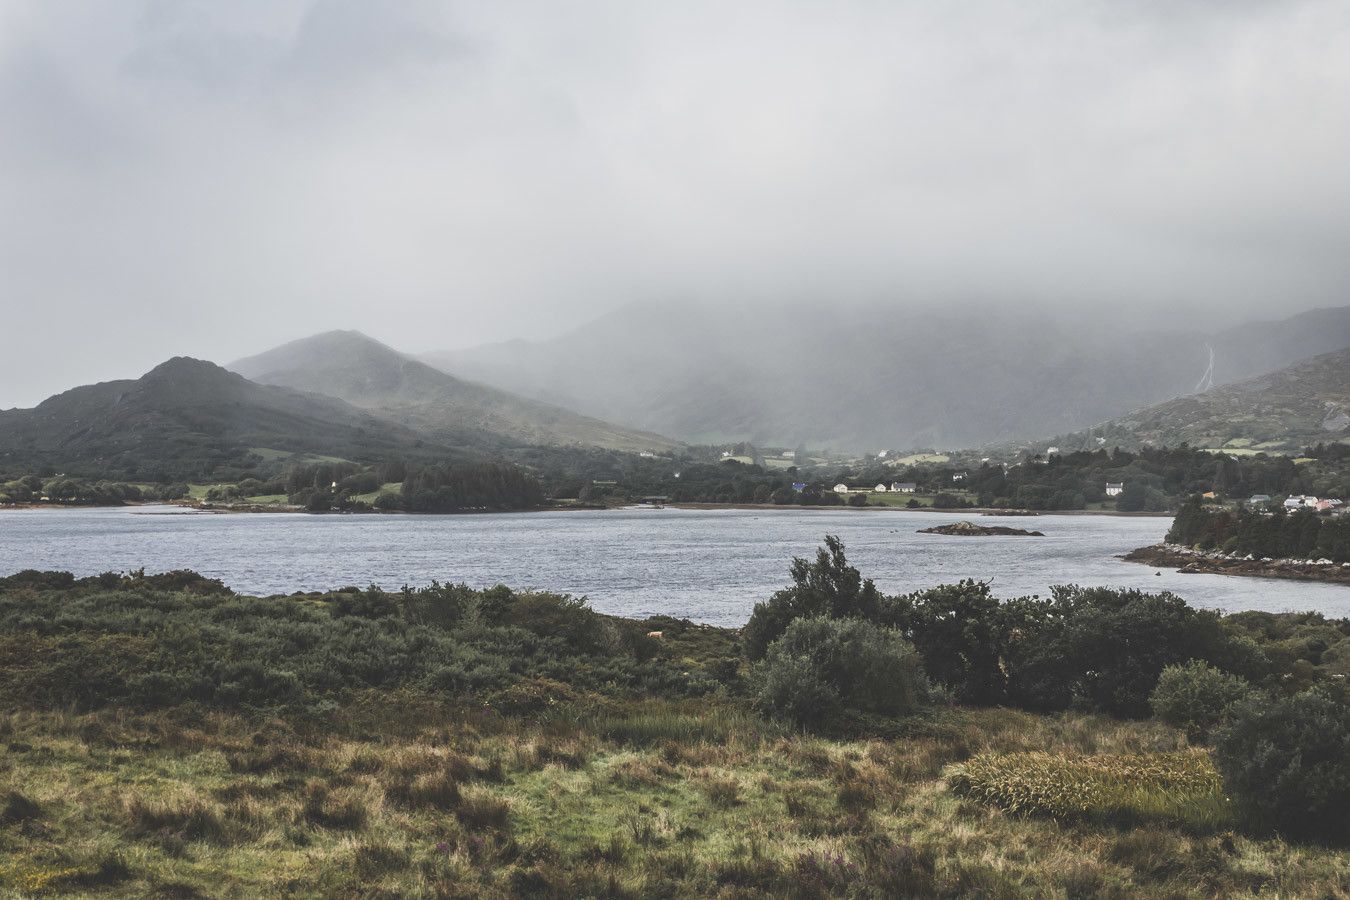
column 186, row 416
column 867, row 377
column 373, row 376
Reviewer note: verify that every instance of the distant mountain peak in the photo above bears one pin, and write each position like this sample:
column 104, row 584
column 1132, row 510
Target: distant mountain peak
column 362, row 371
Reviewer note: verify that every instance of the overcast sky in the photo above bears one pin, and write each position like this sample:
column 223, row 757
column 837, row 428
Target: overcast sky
column 210, row 178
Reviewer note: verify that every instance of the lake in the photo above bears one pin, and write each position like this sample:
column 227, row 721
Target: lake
column 707, row 565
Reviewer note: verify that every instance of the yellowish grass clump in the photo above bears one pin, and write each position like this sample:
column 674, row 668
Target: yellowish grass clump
column 1181, row 786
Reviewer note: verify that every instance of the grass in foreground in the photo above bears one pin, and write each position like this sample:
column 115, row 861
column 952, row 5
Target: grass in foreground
column 403, row 796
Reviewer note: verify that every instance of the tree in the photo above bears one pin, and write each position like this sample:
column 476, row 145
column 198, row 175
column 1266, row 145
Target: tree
column 957, row 629
column 828, row 587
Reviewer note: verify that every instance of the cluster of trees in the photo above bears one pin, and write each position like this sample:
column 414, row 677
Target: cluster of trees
column 84, row 491
column 1278, row 534
column 1154, row 479
column 1087, row 648
column 1268, row 690
column 464, row 486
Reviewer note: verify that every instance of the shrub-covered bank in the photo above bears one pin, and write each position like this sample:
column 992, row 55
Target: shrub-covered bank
column 166, row 737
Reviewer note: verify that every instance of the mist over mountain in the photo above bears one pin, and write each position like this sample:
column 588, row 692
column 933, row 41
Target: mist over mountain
column 1281, row 411
column 368, row 374
column 860, row 376
column 188, row 418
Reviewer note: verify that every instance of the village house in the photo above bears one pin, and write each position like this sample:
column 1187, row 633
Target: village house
column 1258, row 499
column 1328, row 505
column 1114, row 488
column 880, row 489
column 841, row 488
column 904, row 487
column 1300, row 500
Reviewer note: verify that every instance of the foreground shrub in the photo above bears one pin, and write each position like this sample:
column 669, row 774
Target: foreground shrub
column 828, row 587
column 821, row 666
column 1196, row 697
column 1286, row 763
column 1176, row 787
column 1102, row 649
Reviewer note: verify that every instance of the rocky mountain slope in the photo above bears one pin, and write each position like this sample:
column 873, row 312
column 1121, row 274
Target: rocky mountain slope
column 361, row 371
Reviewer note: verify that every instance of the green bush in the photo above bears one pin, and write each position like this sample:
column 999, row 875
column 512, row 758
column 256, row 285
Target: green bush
column 828, row 587
column 1196, row 697
column 1286, row 763
column 820, row 666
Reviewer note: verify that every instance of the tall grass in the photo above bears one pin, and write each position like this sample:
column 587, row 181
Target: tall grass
column 1181, row 787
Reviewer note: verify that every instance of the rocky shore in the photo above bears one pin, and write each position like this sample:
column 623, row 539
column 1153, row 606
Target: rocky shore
column 970, row 529
column 1191, row 562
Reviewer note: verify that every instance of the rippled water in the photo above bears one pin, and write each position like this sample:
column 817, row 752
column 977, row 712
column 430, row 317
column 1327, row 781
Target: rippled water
column 707, row 565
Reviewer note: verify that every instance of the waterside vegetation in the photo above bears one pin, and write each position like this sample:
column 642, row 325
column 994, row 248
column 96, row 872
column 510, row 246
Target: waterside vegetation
column 167, row 737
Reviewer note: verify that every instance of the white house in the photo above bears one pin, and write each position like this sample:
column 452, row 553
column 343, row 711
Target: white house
column 880, row 489
column 841, row 488
column 1050, row 451
column 958, row 476
column 1299, row 500
column 1114, row 488
column 1258, row 499
column 904, row 487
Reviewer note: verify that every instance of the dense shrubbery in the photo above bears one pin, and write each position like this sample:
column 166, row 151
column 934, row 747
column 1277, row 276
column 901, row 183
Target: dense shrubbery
column 1197, row 697
column 162, row 640
column 1096, row 649
column 1302, row 534
column 821, row 667
column 1286, row 762
column 470, row 486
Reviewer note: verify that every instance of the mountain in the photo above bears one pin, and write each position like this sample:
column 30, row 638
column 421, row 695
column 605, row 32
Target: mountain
column 868, row 377
column 1285, row 410
column 367, row 374
column 186, row 418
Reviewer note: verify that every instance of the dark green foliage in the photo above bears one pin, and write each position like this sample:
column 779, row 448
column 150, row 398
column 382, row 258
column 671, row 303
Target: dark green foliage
column 1302, row 534
column 1196, row 697
column 828, row 587
column 1103, row 649
column 822, row 666
column 1286, row 763
column 957, row 629
column 1090, row 648
column 448, row 488
column 162, row 640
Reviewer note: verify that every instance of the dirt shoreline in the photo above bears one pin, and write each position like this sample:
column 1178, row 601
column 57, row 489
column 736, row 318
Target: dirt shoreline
column 1193, row 562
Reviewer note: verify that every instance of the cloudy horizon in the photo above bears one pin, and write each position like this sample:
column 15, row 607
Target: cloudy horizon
column 191, row 178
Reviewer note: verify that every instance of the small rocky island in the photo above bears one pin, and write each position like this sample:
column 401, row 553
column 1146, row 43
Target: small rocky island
column 970, row 529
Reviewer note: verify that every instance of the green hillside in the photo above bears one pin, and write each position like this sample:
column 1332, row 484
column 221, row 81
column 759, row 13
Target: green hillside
column 1294, row 407
column 366, row 373
column 189, row 419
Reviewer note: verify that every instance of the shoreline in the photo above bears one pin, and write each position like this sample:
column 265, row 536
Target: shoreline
column 200, row 506
column 1195, row 562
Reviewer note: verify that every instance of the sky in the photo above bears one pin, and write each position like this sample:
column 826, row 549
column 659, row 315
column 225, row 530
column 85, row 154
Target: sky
column 211, row 179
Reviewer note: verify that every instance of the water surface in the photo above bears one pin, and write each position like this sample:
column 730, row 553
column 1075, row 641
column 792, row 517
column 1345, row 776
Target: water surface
column 707, row 565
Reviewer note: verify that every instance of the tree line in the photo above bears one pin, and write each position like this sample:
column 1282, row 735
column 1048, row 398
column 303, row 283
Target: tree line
column 1277, row 534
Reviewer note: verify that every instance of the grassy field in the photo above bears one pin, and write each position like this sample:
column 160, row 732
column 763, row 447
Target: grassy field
column 400, row 796
column 165, row 737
